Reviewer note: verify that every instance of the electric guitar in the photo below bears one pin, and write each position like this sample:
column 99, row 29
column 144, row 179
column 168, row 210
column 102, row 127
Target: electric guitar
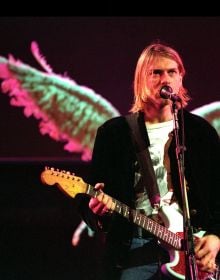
column 170, row 233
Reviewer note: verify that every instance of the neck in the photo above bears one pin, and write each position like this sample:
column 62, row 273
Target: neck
column 157, row 115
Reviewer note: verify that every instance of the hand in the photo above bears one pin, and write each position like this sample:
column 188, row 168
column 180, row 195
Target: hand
column 103, row 203
column 206, row 250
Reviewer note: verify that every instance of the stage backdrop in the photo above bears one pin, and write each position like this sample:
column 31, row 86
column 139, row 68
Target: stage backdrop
column 37, row 221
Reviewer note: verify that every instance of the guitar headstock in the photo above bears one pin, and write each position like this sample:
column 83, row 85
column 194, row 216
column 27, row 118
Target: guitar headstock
column 66, row 181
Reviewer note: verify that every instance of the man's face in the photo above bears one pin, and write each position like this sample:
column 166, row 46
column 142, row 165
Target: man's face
column 162, row 71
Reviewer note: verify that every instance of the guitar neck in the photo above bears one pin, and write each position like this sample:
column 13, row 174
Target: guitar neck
column 141, row 220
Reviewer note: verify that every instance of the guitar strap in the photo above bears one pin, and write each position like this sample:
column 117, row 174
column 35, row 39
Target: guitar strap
column 141, row 143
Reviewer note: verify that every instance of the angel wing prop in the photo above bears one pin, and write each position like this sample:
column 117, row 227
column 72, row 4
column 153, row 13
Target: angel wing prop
column 67, row 111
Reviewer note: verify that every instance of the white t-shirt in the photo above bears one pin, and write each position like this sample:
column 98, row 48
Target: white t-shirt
column 160, row 138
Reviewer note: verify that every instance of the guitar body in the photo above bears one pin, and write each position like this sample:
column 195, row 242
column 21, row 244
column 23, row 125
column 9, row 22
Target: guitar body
column 175, row 269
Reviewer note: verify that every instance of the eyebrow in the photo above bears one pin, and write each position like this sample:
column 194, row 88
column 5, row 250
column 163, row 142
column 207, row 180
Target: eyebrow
column 161, row 70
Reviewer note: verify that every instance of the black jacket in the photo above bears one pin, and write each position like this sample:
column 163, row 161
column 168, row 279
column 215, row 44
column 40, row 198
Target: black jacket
column 113, row 163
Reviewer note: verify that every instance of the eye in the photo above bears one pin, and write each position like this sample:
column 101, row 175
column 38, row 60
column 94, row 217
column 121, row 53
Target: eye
column 157, row 72
column 172, row 71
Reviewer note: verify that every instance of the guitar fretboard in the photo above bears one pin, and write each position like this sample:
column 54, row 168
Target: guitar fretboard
column 142, row 220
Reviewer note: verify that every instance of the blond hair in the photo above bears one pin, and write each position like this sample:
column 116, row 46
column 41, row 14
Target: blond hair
column 149, row 53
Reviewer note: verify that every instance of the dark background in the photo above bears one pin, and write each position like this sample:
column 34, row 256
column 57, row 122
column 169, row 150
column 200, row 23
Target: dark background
column 37, row 221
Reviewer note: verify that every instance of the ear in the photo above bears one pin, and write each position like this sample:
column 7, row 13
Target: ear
column 144, row 98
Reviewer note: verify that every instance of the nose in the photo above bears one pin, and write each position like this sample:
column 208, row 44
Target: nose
column 165, row 78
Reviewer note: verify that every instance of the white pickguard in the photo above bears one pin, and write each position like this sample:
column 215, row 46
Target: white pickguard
column 173, row 220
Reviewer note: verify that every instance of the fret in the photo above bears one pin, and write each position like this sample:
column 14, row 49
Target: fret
column 141, row 218
column 118, row 208
column 126, row 211
column 155, row 228
column 165, row 233
column 124, row 208
column 135, row 216
column 152, row 228
column 160, row 231
column 166, row 236
column 89, row 189
column 143, row 225
column 177, row 242
column 138, row 218
column 170, row 238
column 149, row 225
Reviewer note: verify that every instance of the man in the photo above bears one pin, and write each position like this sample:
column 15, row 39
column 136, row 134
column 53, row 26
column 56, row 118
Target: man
column 130, row 251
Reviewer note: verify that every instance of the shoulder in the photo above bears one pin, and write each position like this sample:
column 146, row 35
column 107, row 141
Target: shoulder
column 197, row 121
column 116, row 128
column 198, row 126
column 114, row 123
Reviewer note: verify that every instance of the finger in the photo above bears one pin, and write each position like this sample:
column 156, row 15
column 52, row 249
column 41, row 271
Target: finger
column 93, row 202
column 108, row 201
column 99, row 209
column 207, row 263
column 99, row 186
column 100, row 197
column 105, row 210
column 206, row 252
column 209, row 267
column 199, row 244
column 201, row 248
column 96, row 206
column 201, row 253
column 205, row 260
